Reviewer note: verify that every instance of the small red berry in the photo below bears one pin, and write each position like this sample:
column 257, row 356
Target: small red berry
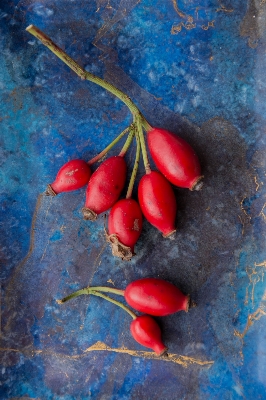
column 147, row 332
column 124, row 227
column 104, row 187
column 157, row 201
column 72, row 176
column 175, row 158
column 155, row 297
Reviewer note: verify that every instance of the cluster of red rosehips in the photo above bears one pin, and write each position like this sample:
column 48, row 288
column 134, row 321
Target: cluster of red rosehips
column 177, row 163
column 148, row 295
column 175, row 159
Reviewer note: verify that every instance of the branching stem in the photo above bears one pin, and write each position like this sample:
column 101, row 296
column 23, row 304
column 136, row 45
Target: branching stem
column 143, row 146
column 135, row 169
column 97, row 291
column 105, row 151
column 128, row 141
column 83, row 74
column 118, row 303
column 88, row 291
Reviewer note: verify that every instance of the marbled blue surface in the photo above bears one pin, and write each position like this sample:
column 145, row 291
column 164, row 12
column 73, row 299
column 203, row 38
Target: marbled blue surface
column 196, row 68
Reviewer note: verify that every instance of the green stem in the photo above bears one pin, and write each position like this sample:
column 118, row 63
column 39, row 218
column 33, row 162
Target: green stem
column 94, row 291
column 143, row 146
column 145, row 124
column 74, row 294
column 84, row 74
column 107, row 289
column 88, row 291
column 118, row 303
column 105, row 151
column 128, row 142
column 135, row 169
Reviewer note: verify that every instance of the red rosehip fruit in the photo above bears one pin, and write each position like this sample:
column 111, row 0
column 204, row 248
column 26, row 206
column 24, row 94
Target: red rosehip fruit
column 156, row 297
column 175, row 159
column 124, row 227
column 72, row 176
column 105, row 187
column 157, row 202
column 147, row 332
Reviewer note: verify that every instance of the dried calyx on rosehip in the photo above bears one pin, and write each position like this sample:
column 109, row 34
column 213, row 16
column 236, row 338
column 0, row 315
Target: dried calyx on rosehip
column 124, row 228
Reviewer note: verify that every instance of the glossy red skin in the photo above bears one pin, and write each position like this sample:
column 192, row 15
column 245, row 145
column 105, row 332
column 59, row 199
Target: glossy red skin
column 157, row 201
column 72, row 176
column 174, row 157
column 106, row 184
column 125, row 220
column 155, row 297
column 147, row 332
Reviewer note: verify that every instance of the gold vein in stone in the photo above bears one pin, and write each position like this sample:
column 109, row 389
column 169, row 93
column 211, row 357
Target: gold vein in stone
column 256, row 183
column 185, row 361
column 177, row 9
column 178, row 359
column 262, row 212
column 263, row 264
column 251, row 319
column 223, row 9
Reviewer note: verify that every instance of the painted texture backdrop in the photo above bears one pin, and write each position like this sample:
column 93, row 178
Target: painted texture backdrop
column 196, row 68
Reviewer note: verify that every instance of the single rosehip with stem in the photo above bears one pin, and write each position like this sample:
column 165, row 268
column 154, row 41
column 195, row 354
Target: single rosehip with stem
column 72, row 176
column 106, row 183
column 125, row 219
column 152, row 296
column 156, row 196
column 175, row 159
column 157, row 202
column 104, row 187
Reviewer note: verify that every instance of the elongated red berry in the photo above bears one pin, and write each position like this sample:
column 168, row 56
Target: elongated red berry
column 124, row 227
column 157, row 202
column 155, row 297
column 72, row 176
column 175, row 158
column 105, row 187
column 147, row 332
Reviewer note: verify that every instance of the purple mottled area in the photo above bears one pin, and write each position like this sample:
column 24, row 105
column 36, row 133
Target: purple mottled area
column 196, row 68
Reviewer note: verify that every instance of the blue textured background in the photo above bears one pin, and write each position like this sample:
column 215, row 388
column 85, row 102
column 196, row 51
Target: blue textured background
column 196, row 68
